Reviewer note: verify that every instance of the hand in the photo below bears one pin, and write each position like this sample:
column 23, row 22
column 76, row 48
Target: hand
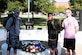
column 58, row 31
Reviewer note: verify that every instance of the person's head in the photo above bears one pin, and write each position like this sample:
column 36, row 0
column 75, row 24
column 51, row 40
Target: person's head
column 68, row 12
column 50, row 16
column 16, row 12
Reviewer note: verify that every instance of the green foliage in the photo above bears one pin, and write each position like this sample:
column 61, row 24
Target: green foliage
column 24, row 5
column 3, row 5
column 76, row 4
column 12, row 5
column 50, row 8
column 44, row 6
column 38, row 5
column 60, row 9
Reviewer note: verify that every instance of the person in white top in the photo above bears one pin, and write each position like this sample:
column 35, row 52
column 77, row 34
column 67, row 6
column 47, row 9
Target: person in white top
column 71, row 27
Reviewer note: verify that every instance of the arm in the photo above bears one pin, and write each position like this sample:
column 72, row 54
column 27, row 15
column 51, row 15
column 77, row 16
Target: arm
column 63, row 25
column 59, row 27
column 76, row 29
column 76, row 26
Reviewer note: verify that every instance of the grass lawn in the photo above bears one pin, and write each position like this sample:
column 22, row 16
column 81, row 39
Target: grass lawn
column 39, row 22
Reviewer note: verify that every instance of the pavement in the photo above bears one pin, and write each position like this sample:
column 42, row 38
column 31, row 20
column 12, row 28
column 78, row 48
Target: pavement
column 78, row 49
column 1, row 42
column 63, row 50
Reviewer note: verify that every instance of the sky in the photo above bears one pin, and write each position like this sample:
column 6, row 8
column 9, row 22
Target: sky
column 61, row 0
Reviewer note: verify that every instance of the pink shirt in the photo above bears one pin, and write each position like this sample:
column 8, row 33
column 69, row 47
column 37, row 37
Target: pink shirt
column 69, row 24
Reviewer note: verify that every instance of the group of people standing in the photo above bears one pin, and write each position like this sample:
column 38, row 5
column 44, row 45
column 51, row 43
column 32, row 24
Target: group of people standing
column 70, row 26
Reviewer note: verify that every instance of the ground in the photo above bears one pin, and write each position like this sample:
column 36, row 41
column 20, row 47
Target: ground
column 78, row 49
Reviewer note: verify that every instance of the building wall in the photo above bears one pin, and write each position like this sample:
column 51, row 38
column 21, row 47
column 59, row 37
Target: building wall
column 66, row 4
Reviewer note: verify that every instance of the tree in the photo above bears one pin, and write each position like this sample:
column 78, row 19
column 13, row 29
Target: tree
column 46, row 6
column 60, row 9
column 76, row 4
column 11, row 5
column 3, row 6
column 50, row 7
column 43, row 6
column 25, row 5
column 36, row 5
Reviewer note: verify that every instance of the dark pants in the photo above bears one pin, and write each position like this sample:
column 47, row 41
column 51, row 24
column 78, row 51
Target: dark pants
column 52, row 41
column 13, row 41
column 69, row 43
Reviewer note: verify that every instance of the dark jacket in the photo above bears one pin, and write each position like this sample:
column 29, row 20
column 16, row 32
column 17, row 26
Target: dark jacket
column 13, row 30
column 53, row 28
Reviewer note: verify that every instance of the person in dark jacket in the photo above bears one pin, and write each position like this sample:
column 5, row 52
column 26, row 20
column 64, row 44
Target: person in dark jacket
column 53, row 30
column 14, row 31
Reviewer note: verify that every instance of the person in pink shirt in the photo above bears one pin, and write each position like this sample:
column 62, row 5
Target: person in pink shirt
column 71, row 27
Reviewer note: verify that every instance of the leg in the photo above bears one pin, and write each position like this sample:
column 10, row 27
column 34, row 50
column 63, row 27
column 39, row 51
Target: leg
column 73, row 52
column 50, row 45
column 15, row 51
column 68, row 51
column 73, row 48
column 51, row 51
column 67, row 45
column 8, row 50
column 56, row 51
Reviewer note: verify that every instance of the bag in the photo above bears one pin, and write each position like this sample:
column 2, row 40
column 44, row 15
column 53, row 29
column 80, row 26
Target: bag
column 32, row 46
column 5, row 21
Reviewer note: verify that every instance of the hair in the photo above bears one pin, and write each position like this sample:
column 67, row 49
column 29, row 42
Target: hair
column 69, row 9
column 50, row 13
